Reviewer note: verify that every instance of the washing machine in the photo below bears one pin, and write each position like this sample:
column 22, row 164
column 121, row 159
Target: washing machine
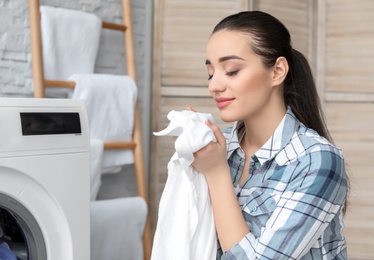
column 44, row 179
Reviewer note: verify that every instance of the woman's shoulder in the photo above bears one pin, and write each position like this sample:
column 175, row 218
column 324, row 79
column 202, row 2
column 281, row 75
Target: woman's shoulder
column 307, row 143
column 313, row 142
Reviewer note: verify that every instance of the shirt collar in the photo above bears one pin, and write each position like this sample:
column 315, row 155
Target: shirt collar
column 280, row 138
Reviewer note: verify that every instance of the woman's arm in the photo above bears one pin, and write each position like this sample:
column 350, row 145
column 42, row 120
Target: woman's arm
column 301, row 212
column 212, row 162
column 230, row 224
column 298, row 212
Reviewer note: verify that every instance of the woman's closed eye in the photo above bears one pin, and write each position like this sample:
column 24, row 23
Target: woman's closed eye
column 229, row 73
column 232, row 73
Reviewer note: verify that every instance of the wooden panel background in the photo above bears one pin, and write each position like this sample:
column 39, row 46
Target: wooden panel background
column 184, row 39
column 352, row 126
column 297, row 16
column 337, row 38
column 349, row 44
column 182, row 29
column 348, row 59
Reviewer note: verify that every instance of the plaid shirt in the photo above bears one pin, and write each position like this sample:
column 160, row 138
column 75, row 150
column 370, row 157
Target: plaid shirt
column 293, row 198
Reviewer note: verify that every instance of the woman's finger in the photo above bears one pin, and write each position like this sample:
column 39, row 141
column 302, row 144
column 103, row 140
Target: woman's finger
column 217, row 132
column 188, row 107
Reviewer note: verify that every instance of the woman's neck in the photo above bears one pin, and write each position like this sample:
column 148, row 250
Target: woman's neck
column 261, row 126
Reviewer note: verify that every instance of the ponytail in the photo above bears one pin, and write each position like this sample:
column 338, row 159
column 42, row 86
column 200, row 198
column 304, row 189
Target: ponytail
column 300, row 93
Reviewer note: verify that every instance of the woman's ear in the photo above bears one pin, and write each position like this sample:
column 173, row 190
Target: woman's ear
column 280, row 70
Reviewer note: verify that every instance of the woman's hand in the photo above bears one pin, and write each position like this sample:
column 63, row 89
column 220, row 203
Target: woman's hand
column 211, row 160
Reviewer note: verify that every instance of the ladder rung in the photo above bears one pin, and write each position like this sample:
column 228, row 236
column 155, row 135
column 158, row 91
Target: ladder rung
column 59, row 83
column 114, row 26
column 108, row 146
column 119, row 145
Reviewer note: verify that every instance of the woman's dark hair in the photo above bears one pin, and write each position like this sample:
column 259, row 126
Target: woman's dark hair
column 270, row 39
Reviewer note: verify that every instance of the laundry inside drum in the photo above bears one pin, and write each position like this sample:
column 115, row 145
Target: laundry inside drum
column 13, row 243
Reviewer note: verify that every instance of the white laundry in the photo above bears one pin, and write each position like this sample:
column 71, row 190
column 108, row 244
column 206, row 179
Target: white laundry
column 110, row 102
column 96, row 155
column 117, row 227
column 70, row 41
column 185, row 228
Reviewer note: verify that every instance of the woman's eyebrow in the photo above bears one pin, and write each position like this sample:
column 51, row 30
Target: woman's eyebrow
column 225, row 58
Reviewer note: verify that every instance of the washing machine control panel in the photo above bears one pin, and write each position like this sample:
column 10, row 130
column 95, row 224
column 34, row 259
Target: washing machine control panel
column 39, row 125
column 50, row 123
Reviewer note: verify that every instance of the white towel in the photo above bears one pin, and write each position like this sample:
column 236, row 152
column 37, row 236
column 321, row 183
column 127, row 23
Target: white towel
column 185, row 228
column 70, row 41
column 117, row 226
column 110, row 103
column 97, row 150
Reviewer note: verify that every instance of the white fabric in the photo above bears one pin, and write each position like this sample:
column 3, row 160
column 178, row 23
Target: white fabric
column 117, row 227
column 185, row 227
column 70, row 41
column 110, row 102
column 97, row 149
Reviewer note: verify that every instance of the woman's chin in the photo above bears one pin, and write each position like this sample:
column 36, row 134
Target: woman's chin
column 227, row 117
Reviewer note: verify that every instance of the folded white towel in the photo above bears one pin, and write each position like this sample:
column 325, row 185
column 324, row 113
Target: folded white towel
column 185, row 228
column 110, row 102
column 70, row 41
column 97, row 150
column 117, row 227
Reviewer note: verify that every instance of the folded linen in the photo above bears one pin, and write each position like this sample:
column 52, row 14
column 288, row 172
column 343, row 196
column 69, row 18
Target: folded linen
column 110, row 102
column 97, row 150
column 117, row 226
column 185, row 227
column 70, row 41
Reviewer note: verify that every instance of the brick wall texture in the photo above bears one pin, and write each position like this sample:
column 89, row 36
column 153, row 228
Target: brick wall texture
column 15, row 50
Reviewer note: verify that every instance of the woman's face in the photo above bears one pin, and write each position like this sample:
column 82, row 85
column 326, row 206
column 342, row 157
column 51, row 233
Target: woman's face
column 238, row 80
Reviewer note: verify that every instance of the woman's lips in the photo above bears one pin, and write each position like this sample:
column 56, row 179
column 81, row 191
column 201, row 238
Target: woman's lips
column 223, row 102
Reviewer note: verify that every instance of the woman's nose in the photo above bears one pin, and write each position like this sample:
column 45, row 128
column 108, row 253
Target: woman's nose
column 216, row 84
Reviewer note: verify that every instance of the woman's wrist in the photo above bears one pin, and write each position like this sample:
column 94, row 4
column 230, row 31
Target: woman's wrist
column 217, row 176
column 230, row 224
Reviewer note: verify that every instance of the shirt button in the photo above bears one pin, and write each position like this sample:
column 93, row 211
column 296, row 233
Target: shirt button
column 254, row 209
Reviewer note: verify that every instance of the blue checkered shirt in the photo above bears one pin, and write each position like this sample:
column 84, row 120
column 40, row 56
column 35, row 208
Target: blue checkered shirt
column 293, row 198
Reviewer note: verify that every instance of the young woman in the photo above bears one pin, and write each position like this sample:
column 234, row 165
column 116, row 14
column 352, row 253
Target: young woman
column 277, row 183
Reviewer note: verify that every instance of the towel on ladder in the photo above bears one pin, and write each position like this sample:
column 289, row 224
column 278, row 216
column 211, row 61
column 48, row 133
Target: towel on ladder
column 96, row 156
column 70, row 41
column 185, row 227
column 110, row 103
column 117, row 227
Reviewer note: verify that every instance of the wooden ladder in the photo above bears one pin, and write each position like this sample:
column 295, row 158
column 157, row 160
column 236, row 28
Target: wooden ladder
column 40, row 83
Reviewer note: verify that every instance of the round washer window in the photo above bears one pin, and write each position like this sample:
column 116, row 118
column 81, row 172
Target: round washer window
column 19, row 231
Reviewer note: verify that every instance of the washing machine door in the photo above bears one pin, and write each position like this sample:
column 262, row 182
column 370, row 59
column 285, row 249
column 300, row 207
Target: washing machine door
column 20, row 231
column 37, row 214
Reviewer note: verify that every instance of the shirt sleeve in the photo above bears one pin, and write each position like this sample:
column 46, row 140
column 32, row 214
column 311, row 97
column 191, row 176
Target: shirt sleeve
column 314, row 194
